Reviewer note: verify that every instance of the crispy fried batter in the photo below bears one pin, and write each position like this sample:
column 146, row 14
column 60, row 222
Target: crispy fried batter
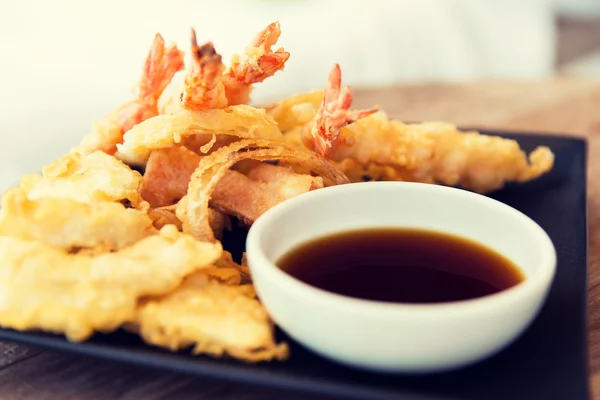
column 69, row 225
column 85, row 178
column 76, row 294
column 215, row 318
column 167, row 130
column 439, row 153
column 431, row 152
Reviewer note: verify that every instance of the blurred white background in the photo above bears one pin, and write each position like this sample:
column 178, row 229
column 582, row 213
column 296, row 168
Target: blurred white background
column 67, row 62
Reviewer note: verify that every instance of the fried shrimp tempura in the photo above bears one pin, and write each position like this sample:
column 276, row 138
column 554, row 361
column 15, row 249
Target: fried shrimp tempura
column 439, row 153
column 369, row 146
column 77, row 294
column 215, row 318
column 64, row 223
column 85, row 178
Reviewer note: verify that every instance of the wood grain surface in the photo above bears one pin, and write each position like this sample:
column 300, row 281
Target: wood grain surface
column 556, row 105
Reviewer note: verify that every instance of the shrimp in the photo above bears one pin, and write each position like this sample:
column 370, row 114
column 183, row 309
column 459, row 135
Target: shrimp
column 333, row 114
column 203, row 88
column 367, row 145
column 255, row 65
column 435, row 152
column 160, row 66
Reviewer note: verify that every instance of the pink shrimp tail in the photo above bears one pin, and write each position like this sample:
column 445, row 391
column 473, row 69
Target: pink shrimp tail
column 271, row 61
column 251, row 68
column 203, row 87
column 268, row 36
column 161, row 65
column 333, row 114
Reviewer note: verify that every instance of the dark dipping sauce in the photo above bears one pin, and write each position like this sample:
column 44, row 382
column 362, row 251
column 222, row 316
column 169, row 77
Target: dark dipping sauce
column 401, row 266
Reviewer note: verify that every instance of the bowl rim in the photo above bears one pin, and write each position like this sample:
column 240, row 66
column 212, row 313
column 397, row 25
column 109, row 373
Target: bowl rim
column 259, row 263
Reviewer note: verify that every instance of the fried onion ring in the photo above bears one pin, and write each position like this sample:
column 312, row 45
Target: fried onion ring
column 192, row 210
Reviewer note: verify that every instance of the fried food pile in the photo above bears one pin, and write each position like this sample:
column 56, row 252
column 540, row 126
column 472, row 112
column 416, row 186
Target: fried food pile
column 94, row 245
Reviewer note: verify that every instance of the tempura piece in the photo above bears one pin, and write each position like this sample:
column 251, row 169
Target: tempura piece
column 76, row 294
column 215, row 318
column 86, row 178
column 69, row 225
column 192, row 209
column 256, row 64
column 368, row 146
column 161, row 64
column 438, row 153
column 168, row 130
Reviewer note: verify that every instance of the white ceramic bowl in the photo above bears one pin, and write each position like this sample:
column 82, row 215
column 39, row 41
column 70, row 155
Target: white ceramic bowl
column 394, row 337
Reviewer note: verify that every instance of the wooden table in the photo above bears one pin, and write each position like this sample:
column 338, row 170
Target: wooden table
column 556, row 106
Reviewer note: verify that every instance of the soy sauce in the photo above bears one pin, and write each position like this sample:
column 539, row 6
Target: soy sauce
column 401, row 266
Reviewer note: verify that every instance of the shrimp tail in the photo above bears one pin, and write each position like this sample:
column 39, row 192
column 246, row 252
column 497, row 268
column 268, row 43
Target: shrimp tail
column 270, row 61
column 257, row 64
column 333, row 114
column 161, row 64
column 203, row 88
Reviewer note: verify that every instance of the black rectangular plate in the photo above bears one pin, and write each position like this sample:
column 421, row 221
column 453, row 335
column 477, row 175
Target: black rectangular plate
column 548, row 361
